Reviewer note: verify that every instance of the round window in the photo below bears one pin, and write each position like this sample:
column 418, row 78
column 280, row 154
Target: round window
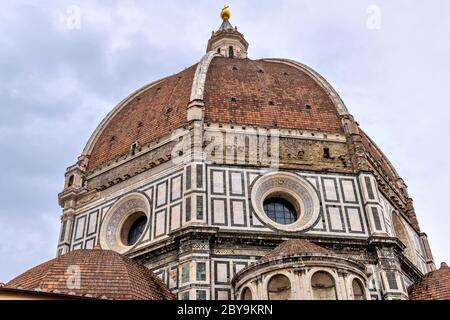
column 124, row 224
column 133, row 228
column 285, row 201
column 280, row 211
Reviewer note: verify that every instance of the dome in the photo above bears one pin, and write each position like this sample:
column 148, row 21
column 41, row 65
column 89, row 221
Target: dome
column 296, row 247
column 433, row 286
column 298, row 261
column 271, row 93
column 268, row 93
column 103, row 274
column 146, row 115
column 205, row 174
column 374, row 151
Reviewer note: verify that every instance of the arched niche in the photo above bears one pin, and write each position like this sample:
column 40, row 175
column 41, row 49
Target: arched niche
column 279, row 287
column 247, row 294
column 358, row 290
column 323, row 286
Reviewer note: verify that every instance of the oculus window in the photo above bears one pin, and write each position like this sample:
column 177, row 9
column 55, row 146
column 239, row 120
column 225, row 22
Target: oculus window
column 280, row 211
column 133, row 228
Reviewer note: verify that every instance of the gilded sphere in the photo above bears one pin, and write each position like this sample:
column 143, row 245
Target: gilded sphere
column 226, row 13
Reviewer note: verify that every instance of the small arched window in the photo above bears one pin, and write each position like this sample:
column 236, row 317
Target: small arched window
column 231, row 52
column 246, row 294
column 358, row 290
column 71, row 180
column 323, row 286
column 279, row 288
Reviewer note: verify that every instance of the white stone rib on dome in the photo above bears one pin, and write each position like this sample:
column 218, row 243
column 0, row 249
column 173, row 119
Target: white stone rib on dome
column 198, row 85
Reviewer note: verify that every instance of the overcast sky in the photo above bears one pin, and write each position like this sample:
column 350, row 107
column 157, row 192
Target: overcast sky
column 389, row 60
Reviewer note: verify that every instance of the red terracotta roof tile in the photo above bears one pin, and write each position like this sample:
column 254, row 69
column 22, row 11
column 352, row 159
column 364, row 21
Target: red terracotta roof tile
column 433, row 286
column 241, row 91
column 267, row 93
column 150, row 115
column 296, row 247
column 376, row 154
column 103, row 274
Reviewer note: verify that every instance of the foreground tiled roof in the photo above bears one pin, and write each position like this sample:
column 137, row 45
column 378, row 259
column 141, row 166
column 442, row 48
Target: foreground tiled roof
column 433, row 286
column 296, row 247
column 103, row 274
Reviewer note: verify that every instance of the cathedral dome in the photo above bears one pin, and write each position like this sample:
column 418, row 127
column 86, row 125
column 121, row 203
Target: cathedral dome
column 93, row 273
column 272, row 93
column 433, row 286
column 202, row 175
column 146, row 115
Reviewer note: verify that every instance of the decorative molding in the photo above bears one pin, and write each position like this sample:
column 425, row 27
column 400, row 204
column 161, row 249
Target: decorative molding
column 110, row 232
column 294, row 186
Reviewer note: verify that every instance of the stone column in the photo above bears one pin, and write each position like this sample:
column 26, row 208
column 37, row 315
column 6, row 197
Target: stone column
column 372, row 205
column 346, row 290
column 67, row 221
column 262, row 291
column 341, row 286
column 390, row 273
column 302, row 284
column 431, row 266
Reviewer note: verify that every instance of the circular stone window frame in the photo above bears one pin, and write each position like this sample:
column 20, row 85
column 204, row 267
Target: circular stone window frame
column 292, row 188
column 111, row 232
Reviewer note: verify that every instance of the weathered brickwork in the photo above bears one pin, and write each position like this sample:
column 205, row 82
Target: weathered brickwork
column 433, row 286
column 150, row 115
column 384, row 165
column 310, row 155
column 141, row 162
column 253, row 92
